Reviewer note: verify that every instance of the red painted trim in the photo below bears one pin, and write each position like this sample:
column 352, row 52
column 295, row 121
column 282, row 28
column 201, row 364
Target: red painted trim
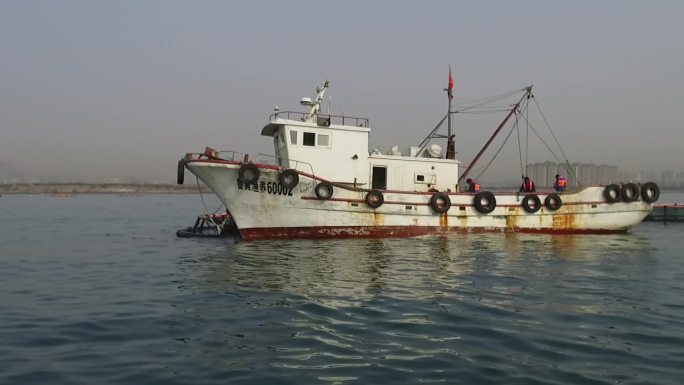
column 235, row 162
column 453, row 204
column 363, row 201
column 213, row 161
column 328, row 232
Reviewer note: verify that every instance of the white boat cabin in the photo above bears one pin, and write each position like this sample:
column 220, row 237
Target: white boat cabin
column 336, row 148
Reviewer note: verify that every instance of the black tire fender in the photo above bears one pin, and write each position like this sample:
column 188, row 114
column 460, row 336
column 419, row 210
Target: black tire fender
column 531, row 208
column 612, row 193
column 248, row 173
column 440, row 202
column 324, row 191
column 180, row 174
column 553, row 202
column 374, row 199
column 484, row 202
column 630, row 192
column 289, row 178
column 650, row 192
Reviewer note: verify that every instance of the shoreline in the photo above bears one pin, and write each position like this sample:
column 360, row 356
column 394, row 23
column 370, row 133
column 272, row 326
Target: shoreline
column 130, row 188
column 93, row 188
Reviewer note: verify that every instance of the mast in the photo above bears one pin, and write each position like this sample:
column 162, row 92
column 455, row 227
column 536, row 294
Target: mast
column 450, row 152
column 528, row 92
column 450, row 96
column 315, row 107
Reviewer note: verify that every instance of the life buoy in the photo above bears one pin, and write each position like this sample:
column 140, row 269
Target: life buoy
column 289, row 178
column 612, row 193
column 324, row 190
column 484, row 202
column 180, row 177
column 630, row 192
column 531, row 203
column 440, row 202
column 374, row 199
column 248, row 173
column 553, row 202
column 650, row 192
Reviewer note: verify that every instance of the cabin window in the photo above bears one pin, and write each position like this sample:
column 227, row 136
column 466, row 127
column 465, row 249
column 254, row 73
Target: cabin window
column 293, row 137
column 379, row 178
column 425, row 178
column 309, row 139
column 323, row 140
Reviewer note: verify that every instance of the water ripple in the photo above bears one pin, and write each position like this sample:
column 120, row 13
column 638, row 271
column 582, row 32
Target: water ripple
column 123, row 301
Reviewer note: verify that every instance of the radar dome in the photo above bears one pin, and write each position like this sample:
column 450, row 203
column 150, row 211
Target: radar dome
column 435, row 151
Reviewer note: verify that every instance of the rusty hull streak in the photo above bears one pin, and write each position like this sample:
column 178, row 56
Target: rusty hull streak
column 564, row 221
column 512, row 219
column 378, row 218
column 389, row 231
column 443, row 220
column 463, row 219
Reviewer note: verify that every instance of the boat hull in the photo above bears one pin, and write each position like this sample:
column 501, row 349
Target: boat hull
column 268, row 210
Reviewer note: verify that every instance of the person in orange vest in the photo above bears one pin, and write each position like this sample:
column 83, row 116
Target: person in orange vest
column 473, row 186
column 559, row 184
column 527, row 186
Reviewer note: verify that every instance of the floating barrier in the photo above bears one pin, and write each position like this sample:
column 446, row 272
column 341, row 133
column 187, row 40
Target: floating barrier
column 666, row 212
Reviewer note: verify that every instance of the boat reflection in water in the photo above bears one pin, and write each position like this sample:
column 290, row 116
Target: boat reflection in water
column 358, row 308
column 347, row 272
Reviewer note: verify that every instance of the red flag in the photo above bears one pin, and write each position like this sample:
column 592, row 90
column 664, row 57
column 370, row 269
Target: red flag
column 451, row 85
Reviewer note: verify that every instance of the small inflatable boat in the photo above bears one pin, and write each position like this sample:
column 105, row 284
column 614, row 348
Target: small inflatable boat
column 209, row 226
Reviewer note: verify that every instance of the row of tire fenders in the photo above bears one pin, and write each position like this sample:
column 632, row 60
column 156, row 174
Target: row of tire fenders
column 484, row 201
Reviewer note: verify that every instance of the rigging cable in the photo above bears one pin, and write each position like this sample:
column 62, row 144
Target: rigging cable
column 565, row 157
column 479, row 103
column 210, row 217
column 542, row 140
column 517, row 131
column 527, row 136
column 484, row 101
column 497, row 152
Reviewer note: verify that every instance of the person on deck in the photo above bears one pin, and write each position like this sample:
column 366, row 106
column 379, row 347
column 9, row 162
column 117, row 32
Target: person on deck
column 559, row 184
column 473, row 186
column 527, row 186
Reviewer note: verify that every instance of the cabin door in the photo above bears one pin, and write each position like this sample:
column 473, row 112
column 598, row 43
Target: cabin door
column 379, row 178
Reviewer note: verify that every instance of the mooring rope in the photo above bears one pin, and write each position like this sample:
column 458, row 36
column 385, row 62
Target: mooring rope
column 210, row 217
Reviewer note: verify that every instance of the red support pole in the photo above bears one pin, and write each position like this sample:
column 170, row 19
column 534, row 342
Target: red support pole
column 479, row 154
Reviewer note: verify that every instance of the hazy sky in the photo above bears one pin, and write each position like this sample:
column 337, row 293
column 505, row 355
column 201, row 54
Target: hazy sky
column 119, row 88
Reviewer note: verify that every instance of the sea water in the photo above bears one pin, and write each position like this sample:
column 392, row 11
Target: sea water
column 97, row 289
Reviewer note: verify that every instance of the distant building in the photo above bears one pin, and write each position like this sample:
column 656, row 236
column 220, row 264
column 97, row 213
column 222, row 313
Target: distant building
column 612, row 174
column 550, row 169
column 588, row 174
column 667, row 178
column 679, row 180
column 646, row 176
column 574, row 176
column 544, row 174
column 602, row 174
column 539, row 176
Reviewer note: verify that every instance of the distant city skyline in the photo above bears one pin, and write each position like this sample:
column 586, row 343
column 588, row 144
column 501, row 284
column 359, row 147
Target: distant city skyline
column 542, row 173
column 126, row 88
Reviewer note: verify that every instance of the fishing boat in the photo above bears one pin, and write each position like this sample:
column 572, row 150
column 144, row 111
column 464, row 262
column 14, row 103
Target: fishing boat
column 324, row 181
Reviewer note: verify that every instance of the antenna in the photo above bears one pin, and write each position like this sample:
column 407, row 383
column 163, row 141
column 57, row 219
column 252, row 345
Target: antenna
column 314, row 106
